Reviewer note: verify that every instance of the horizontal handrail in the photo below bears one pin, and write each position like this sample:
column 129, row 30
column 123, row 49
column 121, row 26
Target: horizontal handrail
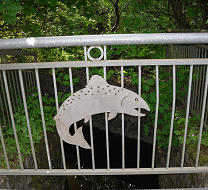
column 126, row 171
column 108, row 63
column 107, row 39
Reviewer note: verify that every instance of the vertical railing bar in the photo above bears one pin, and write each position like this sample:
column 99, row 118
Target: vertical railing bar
column 90, row 121
column 57, row 108
column 4, row 147
column 85, row 54
column 176, row 50
column 122, row 116
column 193, row 92
column 172, row 117
column 199, row 89
column 92, row 144
column 2, row 59
column 26, row 82
column 12, row 118
column 188, row 50
column 5, row 59
column 179, row 52
column 75, row 125
column 184, row 52
column 196, row 87
column 139, row 118
column 34, row 79
column 14, row 85
column 2, row 110
column 105, row 53
column 28, row 78
column 156, row 116
column 4, row 96
column 11, row 86
column 202, row 81
column 31, row 82
column 206, row 112
column 187, row 114
column 43, row 118
column 202, row 119
column 18, row 85
column 27, row 118
column 106, row 116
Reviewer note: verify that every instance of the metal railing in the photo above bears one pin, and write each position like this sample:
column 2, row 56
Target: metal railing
column 97, row 41
column 14, row 83
column 198, row 52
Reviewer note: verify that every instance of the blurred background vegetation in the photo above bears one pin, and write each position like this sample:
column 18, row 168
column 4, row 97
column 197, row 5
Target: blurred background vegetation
column 29, row 18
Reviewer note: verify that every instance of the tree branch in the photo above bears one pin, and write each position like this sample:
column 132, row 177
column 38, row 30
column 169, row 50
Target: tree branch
column 117, row 16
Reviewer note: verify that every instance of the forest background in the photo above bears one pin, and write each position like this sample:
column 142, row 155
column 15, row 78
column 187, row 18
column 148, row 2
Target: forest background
column 26, row 18
column 29, row 18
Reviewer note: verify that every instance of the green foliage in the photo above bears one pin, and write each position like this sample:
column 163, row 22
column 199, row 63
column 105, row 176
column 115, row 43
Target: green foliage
column 35, row 120
column 8, row 10
column 193, row 129
column 165, row 103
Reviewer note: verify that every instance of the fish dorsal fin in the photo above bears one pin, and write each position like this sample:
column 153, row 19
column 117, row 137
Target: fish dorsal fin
column 97, row 80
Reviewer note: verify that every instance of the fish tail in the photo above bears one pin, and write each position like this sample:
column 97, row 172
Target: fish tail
column 78, row 139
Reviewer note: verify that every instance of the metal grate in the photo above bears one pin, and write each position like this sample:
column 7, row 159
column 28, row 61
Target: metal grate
column 87, row 42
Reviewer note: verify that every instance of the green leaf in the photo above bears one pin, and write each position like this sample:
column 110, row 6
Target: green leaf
column 137, row 23
column 61, row 74
column 192, row 13
column 10, row 131
column 127, row 22
column 9, row 19
column 146, row 87
column 66, row 77
column 2, row 8
column 51, row 100
column 134, row 81
column 65, row 83
column 152, row 97
column 141, row 54
column 150, row 82
column 76, row 80
column 143, row 80
column 58, row 79
column 161, row 109
column 144, row 96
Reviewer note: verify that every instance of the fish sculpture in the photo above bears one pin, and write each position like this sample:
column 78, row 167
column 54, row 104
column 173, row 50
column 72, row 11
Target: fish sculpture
column 97, row 97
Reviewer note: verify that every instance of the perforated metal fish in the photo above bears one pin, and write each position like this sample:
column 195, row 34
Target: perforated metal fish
column 97, row 97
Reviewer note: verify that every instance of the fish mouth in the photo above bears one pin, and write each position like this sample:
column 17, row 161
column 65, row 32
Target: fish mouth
column 146, row 107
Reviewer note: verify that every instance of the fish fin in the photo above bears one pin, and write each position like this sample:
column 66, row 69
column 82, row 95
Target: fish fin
column 97, row 80
column 87, row 118
column 112, row 115
column 78, row 139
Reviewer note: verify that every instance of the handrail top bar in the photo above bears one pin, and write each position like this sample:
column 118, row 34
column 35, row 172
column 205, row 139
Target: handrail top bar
column 107, row 63
column 106, row 39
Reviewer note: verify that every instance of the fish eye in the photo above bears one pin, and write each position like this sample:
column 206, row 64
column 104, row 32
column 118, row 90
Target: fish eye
column 136, row 99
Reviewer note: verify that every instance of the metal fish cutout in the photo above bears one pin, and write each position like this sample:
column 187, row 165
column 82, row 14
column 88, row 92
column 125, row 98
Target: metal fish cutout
column 97, row 97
